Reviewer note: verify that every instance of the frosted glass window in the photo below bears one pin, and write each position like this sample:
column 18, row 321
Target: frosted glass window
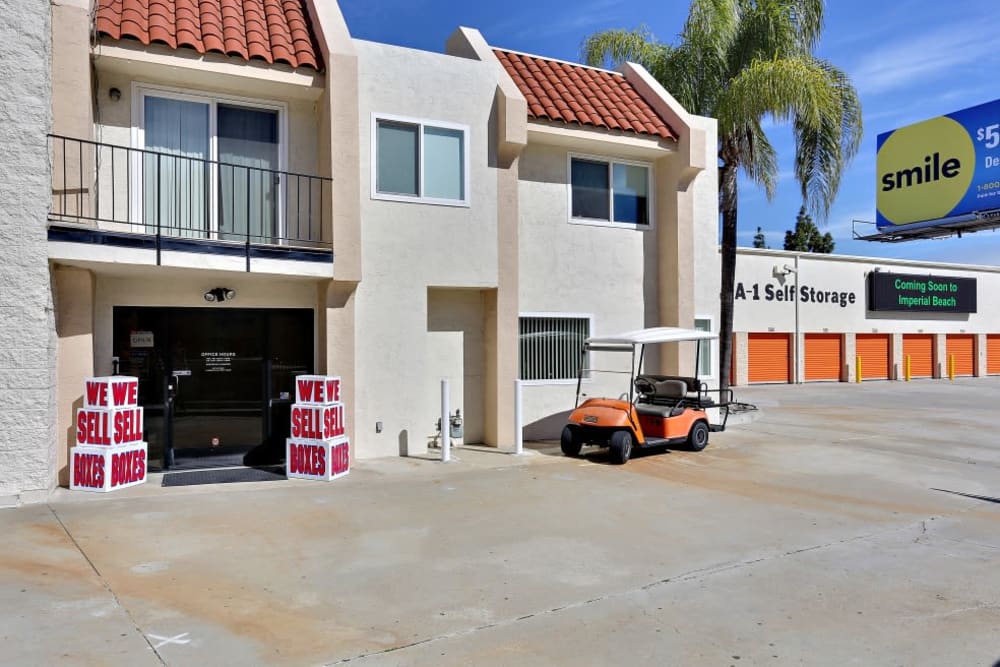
column 631, row 193
column 397, row 158
column 444, row 157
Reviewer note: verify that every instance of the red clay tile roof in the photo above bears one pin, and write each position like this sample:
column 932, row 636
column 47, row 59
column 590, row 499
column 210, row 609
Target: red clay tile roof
column 577, row 94
column 276, row 31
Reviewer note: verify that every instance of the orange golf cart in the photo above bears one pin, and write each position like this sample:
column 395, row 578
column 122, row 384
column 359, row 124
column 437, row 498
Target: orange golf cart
column 657, row 410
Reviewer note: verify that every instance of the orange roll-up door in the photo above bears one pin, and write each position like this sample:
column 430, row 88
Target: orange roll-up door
column 874, row 352
column 768, row 357
column 993, row 354
column 824, row 357
column 920, row 349
column 962, row 348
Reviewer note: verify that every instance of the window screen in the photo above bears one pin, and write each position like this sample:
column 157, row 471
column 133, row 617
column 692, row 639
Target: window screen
column 551, row 347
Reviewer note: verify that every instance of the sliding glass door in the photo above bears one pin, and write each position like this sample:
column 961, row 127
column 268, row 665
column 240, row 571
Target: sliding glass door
column 248, row 176
column 176, row 171
column 210, row 170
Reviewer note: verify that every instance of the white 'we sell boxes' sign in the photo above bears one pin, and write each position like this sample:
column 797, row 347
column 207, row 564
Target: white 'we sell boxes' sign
column 318, row 447
column 110, row 452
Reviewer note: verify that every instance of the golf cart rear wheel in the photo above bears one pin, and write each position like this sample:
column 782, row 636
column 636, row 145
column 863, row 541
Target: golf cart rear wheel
column 620, row 446
column 570, row 442
column 698, row 437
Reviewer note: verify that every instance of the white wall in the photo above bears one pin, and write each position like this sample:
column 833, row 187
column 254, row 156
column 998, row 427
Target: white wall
column 606, row 272
column 27, row 340
column 409, row 247
column 707, row 278
column 847, row 275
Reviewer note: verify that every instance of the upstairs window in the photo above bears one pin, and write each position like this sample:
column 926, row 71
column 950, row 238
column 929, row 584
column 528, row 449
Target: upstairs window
column 609, row 192
column 420, row 161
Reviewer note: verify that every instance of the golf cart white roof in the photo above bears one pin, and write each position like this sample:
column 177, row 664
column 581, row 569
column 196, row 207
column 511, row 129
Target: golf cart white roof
column 650, row 336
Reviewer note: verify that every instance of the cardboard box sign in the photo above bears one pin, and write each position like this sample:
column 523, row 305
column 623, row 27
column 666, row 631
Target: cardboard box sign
column 323, row 460
column 317, row 422
column 104, row 469
column 115, row 391
column 108, row 426
column 317, row 389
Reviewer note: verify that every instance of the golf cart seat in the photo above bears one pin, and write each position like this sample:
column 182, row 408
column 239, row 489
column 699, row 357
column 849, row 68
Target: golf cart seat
column 659, row 397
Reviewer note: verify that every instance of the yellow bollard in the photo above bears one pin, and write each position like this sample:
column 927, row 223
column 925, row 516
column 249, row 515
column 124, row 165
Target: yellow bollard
column 857, row 370
column 907, row 368
column 951, row 367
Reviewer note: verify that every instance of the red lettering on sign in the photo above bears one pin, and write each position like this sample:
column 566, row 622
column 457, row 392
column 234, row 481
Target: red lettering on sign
column 97, row 393
column 306, row 389
column 128, row 467
column 307, row 460
column 88, row 471
column 127, row 426
column 340, row 459
column 333, row 422
column 333, row 390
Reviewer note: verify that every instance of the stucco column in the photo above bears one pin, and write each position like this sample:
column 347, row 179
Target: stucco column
column 336, row 345
column 850, row 370
column 898, row 360
column 741, row 356
column 501, row 313
column 675, row 219
column 73, row 297
column 981, row 367
column 940, row 356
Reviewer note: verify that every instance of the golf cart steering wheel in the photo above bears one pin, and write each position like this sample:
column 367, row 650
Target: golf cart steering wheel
column 644, row 386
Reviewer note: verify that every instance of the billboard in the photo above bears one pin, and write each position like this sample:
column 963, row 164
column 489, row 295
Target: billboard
column 921, row 293
column 940, row 168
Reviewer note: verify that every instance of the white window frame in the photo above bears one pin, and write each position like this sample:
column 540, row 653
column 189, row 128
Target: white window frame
column 597, row 222
column 543, row 314
column 140, row 90
column 421, row 123
column 713, row 348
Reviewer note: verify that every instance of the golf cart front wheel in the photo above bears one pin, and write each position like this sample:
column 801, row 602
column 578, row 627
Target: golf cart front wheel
column 620, row 446
column 570, row 442
column 698, row 437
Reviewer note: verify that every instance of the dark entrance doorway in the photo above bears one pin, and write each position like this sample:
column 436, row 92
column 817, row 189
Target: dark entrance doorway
column 215, row 383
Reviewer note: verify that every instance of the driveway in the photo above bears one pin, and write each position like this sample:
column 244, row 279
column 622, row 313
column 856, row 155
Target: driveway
column 831, row 531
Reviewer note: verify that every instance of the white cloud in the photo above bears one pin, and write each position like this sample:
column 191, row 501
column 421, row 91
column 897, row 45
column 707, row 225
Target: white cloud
column 923, row 57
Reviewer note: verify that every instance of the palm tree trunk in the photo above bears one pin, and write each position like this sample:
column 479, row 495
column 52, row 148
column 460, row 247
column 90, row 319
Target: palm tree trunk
column 727, row 202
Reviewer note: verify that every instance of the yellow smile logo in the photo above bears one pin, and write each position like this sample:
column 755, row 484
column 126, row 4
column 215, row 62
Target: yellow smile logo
column 924, row 170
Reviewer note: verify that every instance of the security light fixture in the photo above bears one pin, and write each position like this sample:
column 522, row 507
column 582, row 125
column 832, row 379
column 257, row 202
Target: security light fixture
column 115, row 94
column 220, row 294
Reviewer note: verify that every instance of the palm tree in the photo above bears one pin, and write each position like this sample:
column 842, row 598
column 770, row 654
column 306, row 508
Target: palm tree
column 741, row 61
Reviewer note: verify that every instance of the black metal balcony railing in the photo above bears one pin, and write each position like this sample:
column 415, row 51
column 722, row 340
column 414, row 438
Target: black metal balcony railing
column 138, row 191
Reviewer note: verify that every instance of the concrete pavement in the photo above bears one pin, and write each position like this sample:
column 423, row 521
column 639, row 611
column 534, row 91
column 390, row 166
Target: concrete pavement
column 812, row 536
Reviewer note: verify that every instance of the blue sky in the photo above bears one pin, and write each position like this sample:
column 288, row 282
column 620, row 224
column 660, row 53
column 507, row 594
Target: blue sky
column 909, row 59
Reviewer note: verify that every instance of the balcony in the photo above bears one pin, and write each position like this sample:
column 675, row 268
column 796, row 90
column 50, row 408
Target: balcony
column 157, row 207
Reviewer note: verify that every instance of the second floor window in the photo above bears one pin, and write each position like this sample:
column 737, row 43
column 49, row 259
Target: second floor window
column 611, row 192
column 418, row 161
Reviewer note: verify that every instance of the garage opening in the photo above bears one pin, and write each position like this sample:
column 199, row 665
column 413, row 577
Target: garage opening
column 824, row 357
column 920, row 349
column 993, row 354
column 875, row 358
column 768, row 357
column 962, row 348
